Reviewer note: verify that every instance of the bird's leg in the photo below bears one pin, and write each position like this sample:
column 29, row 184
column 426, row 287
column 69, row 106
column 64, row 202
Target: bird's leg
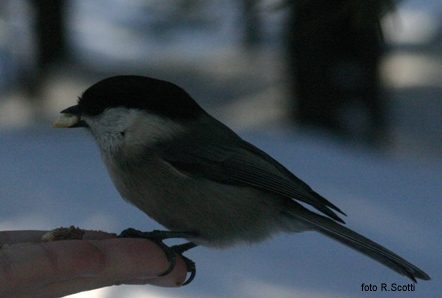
column 158, row 237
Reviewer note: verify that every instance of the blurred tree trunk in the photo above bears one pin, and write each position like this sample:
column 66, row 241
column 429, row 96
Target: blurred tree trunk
column 334, row 50
column 50, row 37
column 252, row 23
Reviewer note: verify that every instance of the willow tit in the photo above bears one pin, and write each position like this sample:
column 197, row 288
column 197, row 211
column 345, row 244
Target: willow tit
column 191, row 173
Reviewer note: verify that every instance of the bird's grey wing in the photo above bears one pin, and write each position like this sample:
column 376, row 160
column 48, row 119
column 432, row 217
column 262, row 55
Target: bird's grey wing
column 242, row 164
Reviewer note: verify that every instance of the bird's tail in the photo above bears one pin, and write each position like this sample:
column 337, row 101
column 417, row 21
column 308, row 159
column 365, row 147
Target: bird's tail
column 356, row 241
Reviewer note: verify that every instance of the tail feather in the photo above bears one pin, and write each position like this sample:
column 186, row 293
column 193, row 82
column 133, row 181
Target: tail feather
column 358, row 242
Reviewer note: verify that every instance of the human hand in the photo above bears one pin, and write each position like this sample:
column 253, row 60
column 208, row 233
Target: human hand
column 32, row 267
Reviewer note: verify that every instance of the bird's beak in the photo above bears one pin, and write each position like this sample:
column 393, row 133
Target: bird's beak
column 70, row 118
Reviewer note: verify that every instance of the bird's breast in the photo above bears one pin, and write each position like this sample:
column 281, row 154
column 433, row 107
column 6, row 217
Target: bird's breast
column 220, row 214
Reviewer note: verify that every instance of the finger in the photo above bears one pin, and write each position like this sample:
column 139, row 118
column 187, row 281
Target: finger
column 128, row 258
column 174, row 279
column 11, row 237
column 62, row 288
column 27, row 267
column 97, row 235
column 24, row 266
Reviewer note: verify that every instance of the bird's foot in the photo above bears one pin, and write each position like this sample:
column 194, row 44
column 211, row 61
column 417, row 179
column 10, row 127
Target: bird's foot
column 170, row 252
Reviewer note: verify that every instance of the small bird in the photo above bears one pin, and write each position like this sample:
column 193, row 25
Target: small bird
column 199, row 179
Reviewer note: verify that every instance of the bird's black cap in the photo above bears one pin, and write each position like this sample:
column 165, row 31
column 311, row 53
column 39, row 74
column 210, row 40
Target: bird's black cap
column 155, row 96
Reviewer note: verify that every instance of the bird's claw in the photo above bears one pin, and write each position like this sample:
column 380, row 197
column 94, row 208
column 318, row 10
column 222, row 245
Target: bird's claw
column 170, row 252
column 190, row 265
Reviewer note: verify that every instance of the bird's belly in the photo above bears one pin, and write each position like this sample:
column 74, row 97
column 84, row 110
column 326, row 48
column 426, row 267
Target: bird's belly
column 218, row 217
column 219, row 214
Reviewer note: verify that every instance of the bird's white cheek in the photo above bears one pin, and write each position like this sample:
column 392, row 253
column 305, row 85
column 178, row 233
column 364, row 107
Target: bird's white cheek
column 108, row 141
column 130, row 131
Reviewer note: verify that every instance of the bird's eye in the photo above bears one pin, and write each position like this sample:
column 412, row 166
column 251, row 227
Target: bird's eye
column 123, row 133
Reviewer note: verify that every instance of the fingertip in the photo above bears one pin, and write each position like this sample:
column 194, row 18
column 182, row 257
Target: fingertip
column 176, row 278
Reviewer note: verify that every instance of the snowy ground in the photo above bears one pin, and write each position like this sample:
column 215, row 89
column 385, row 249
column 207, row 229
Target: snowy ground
column 52, row 178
